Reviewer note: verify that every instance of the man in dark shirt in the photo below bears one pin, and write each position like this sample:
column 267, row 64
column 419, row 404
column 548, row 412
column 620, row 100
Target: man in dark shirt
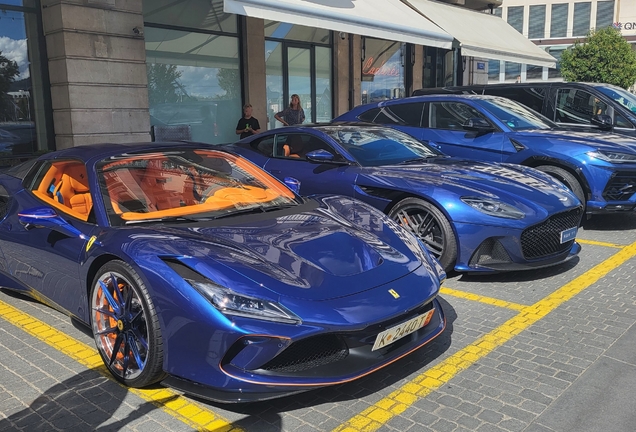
column 247, row 125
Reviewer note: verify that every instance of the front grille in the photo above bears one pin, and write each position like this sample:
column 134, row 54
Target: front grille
column 309, row 353
column 544, row 239
column 621, row 186
column 328, row 349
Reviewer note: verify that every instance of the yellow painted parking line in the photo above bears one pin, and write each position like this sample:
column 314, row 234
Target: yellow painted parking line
column 372, row 418
column 482, row 299
column 194, row 415
column 597, row 243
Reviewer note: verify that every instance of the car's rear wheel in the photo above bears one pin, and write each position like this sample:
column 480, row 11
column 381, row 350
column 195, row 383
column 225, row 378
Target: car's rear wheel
column 431, row 226
column 125, row 326
column 567, row 179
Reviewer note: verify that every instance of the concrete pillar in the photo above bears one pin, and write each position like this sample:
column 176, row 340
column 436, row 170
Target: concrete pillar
column 97, row 65
column 341, row 62
column 418, row 67
column 254, row 70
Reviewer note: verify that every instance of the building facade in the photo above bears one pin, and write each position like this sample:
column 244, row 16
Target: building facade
column 554, row 25
column 88, row 71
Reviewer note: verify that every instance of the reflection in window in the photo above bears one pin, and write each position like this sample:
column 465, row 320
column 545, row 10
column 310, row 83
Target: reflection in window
column 323, row 84
column 195, row 14
column 22, row 109
column 513, row 71
column 286, row 31
column 451, row 115
column 493, row 70
column 274, row 81
column 577, row 106
column 556, row 53
column 382, row 70
column 194, row 79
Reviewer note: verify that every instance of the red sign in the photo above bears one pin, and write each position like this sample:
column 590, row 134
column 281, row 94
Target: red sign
column 368, row 69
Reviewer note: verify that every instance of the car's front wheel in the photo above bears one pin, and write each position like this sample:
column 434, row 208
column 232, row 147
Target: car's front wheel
column 567, row 178
column 125, row 326
column 431, row 226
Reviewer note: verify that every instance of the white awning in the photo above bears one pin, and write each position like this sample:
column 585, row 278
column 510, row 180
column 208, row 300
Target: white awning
column 483, row 35
column 384, row 19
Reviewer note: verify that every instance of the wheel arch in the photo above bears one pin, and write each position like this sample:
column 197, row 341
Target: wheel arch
column 97, row 263
column 559, row 163
column 404, row 195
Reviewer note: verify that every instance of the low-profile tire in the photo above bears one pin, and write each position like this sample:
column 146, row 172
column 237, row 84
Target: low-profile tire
column 567, row 179
column 431, row 226
column 125, row 326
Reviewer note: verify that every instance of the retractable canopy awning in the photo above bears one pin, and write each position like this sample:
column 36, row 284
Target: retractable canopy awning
column 483, row 35
column 384, row 19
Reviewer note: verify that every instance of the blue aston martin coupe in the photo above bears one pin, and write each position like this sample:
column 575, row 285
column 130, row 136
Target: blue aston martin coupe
column 197, row 269
column 473, row 216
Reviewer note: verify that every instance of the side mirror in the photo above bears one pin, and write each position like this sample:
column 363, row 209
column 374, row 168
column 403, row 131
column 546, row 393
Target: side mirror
column 603, row 121
column 293, row 184
column 320, row 156
column 46, row 217
column 478, row 125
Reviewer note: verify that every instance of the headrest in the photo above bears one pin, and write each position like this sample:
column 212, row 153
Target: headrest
column 77, row 186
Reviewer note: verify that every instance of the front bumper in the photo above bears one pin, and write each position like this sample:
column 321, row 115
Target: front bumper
column 250, row 385
column 496, row 249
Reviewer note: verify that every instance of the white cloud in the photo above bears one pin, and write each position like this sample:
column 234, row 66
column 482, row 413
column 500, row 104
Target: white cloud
column 16, row 50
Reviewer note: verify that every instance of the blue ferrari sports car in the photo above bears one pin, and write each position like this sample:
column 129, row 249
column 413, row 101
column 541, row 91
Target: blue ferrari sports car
column 195, row 268
column 599, row 167
column 472, row 216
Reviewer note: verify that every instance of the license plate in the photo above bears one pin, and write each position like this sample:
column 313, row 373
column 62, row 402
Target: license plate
column 568, row 234
column 387, row 337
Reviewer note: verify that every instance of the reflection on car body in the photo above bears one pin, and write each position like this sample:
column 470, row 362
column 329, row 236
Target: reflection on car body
column 472, row 216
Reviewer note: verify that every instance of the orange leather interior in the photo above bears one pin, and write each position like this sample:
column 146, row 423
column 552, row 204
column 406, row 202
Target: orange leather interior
column 65, row 187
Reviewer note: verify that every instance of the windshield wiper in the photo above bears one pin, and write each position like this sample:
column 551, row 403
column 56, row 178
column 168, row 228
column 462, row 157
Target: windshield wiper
column 420, row 159
column 168, row 219
column 252, row 210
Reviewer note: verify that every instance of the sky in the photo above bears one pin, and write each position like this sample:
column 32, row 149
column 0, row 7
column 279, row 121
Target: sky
column 13, row 42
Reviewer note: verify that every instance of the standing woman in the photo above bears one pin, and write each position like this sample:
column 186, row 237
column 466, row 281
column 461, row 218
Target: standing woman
column 293, row 114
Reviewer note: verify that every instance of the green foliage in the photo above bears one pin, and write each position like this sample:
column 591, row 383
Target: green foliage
column 163, row 83
column 603, row 57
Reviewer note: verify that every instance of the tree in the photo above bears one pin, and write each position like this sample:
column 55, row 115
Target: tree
column 163, row 83
column 604, row 56
column 229, row 80
column 8, row 71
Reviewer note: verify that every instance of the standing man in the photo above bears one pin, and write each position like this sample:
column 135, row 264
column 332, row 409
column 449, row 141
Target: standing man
column 247, row 125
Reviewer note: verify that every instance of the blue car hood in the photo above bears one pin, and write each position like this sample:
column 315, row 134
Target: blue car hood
column 338, row 249
column 597, row 140
column 514, row 184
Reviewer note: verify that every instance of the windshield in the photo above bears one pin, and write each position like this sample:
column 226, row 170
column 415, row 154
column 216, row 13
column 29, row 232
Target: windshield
column 514, row 115
column 380, row 146
column 185, row 183
column 623, row 97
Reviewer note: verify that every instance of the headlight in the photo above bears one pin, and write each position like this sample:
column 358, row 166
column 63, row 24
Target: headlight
column 612, row 157
column 494, row 207
column 230, row 303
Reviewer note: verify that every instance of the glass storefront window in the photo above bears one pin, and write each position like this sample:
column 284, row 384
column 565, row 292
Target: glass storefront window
column 194, row 79
column 23, row 113
column 296, row 65
column 274, row 81
column 323, row 85
column 513, row 71
column 382, row 70
column 195, row 14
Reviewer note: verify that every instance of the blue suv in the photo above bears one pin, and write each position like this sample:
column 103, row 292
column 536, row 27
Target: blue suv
column 599, row 168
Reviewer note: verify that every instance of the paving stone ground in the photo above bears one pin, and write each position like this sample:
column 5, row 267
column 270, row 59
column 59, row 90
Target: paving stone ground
column 549, row 377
